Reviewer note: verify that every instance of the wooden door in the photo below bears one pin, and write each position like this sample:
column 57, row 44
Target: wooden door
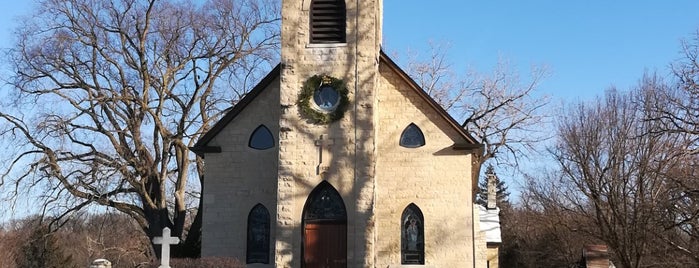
column 325, row 245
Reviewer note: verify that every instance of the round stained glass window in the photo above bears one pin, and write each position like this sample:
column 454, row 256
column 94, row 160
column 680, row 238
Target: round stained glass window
column 326, row 98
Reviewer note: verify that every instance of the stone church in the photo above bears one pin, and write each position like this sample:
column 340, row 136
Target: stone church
column 337, row 158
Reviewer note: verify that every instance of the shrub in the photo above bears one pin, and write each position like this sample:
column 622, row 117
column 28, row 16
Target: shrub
column 207, row 262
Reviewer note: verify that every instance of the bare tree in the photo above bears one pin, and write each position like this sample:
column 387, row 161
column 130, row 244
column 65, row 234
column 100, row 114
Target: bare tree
column 107, row 96
column 679, row 226
column 684, row 99
column 111, row 236
column 678, row 115
column 499, row 109
column 536, row 234
column 613, row 171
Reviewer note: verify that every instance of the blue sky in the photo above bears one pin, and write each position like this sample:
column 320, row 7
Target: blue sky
column 587, row 45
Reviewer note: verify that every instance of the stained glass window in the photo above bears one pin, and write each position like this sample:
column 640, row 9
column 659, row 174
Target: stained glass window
column 412, row 137
column 325, row 203
column 261, row 138
column 258, row 235
column 412, row 236
column 327, row 98
column 324, row 228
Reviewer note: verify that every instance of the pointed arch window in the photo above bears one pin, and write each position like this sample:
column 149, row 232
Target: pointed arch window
column 328, row 21
column 325, row 203
column 261, row 138
column 412, row 236
column 412, row 137
column 258, row 235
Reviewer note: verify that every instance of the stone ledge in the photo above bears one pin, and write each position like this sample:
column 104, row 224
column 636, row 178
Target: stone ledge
column 410, row 266
column 325, row 45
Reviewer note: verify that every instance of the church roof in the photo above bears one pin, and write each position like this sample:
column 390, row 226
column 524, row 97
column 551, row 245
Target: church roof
column 490, row 224
column 473, row 143
column 201, row 145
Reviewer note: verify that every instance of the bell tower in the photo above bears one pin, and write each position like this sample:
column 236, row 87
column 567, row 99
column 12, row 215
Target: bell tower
column 330, row 53
column 331, row 36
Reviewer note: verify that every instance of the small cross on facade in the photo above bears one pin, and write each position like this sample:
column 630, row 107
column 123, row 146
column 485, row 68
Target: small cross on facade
column 323, row 143
column 166, row 240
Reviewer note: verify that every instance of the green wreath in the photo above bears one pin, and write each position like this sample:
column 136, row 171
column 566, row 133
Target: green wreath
column 306, row 94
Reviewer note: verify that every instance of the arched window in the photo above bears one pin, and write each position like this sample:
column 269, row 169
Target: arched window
column 412, row 236
column 258, row 235
column 325, row 203
column 328, row 21
column 412, row 137
column 261, row 138
column 324, row 228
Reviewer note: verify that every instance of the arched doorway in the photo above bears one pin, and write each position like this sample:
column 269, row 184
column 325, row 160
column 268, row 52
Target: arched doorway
column 324, row 229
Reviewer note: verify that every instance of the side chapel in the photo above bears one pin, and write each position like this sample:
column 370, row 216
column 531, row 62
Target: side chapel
column 337, row 158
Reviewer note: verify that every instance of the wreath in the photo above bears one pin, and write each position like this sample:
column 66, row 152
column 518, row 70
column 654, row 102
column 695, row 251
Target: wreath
column 316, row 115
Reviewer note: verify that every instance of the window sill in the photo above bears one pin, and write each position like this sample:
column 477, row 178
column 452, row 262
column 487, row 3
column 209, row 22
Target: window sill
column 326, row 45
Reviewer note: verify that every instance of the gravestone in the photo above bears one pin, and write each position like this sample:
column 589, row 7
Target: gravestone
column 166, row 240
column 101, row 263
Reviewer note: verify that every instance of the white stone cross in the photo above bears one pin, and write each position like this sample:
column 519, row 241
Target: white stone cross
column 323, row 145
column 166, row 240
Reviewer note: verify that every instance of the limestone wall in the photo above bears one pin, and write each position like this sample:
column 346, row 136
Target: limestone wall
column 240, row 177
column 349, row 161
column 493, row 256
column 376, row 177
column 480, row 242
column 434, row 177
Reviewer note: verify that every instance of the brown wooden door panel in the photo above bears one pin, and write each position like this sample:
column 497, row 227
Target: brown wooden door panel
column 325, row 245
column 311, row 246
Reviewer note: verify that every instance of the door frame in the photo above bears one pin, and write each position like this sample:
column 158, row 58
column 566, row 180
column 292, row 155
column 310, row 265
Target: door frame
column 324, row 189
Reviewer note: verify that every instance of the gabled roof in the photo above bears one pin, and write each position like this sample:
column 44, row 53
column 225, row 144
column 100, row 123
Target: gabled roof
column 201, row 145
column 473, row 143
